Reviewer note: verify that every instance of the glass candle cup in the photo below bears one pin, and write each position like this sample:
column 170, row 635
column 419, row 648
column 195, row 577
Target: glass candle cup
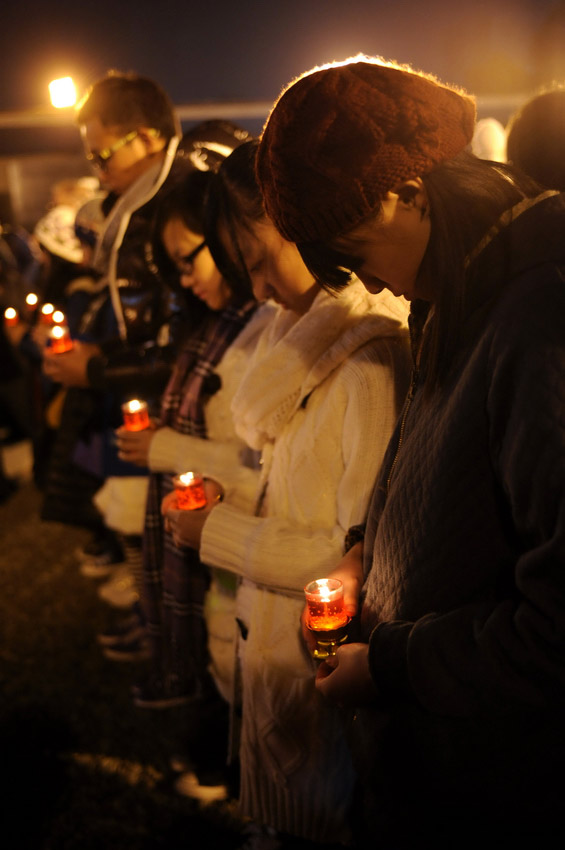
column 32, row 301
column 189, row 490
column 60, row 339
column 11, row 317
column 47, row 311
column 136, row 415
column 327, row 617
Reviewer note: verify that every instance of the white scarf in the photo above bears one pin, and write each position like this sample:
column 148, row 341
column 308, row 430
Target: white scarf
column 296, row 353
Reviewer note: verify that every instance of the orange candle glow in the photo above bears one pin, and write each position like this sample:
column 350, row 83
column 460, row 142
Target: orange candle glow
column 11, row 317
column 60, row 339
column 189, row 490
column 325, row 604
column 327, row 617
column 136, row 415
column 47, row 314
column 32, row 301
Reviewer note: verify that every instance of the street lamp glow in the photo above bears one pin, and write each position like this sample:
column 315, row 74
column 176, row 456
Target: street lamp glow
column 63, row 92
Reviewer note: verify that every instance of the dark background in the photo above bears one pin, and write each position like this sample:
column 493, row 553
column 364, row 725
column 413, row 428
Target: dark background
column 229, row 59
column 223, row 50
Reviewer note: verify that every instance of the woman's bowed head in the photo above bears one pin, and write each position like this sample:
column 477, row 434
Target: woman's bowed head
column 342, row 158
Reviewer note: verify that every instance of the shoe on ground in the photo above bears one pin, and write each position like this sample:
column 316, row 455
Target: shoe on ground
column 188, row 785
column 120, row 591
column 133, row 650
column 155, row 694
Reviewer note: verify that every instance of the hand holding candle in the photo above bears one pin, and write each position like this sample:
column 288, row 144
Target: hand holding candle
column 185, row 526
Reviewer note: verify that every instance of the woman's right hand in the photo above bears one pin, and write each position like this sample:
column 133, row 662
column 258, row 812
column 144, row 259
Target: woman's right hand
column 350, row 572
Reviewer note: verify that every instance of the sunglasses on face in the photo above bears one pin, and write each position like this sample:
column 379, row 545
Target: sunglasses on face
column 102, row 158
column 185, row 265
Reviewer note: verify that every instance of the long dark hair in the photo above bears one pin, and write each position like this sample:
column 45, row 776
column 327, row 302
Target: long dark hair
column 234, row 204
column 466, row 197
column 186, row 202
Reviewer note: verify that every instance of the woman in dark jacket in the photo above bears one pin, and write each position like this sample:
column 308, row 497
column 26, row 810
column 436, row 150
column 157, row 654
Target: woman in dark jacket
column 459, row 675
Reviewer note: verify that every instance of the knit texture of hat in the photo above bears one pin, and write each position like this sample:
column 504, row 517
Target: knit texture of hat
column 341, row 137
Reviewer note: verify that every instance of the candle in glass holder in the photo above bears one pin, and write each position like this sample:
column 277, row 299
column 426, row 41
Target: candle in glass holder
column 189, row 490
column 32, row 301
column 11, row 317
column 60, row 339
column 327, row 617
column 136, row 415
column 47, row 314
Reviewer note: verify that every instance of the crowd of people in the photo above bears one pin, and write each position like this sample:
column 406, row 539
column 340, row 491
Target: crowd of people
column 347, row 335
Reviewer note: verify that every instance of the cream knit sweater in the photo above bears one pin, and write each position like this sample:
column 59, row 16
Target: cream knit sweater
column 320, row 399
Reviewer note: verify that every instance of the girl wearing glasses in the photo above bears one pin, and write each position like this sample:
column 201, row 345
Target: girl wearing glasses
column 319, row 400
column 194, row 432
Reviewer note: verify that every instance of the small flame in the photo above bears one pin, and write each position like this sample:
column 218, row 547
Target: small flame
column 58, row 317
column 324, row 590
column 186, row 478
column 31, row 299
column 47, row 309
column 58, row 332
column 134, row 405
column 10, row 313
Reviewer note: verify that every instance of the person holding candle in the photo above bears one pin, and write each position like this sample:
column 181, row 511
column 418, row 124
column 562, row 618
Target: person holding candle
column 319, row 400
column 459, row 681
column 194, row 430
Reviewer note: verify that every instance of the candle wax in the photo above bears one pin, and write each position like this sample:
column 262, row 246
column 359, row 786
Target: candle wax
column 11, row 317
column 325, row 605
column 47, row 314
column 190, row 493
column 136, row 415
column 60, row 339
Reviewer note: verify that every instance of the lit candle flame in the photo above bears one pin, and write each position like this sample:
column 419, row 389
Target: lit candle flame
column 10, row 313
column 58, row 317
column 186, row 478
column 134, row 405
column 31, row 299
column 47, row 309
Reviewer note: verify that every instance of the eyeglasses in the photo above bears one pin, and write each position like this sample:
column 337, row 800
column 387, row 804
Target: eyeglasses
column 102, row 158
column 185, row 265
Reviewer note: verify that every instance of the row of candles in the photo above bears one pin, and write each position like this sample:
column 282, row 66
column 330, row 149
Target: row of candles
column 327, row 617
column 59, row 333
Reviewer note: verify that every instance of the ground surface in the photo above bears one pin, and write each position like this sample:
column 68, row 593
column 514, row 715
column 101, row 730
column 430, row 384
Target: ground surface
column 82, row 767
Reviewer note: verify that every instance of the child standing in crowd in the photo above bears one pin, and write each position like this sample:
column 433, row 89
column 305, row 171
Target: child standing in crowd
column 319, row 400
column 463, row 606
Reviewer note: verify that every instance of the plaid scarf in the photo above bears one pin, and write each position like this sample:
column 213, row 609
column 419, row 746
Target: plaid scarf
column 174, row 580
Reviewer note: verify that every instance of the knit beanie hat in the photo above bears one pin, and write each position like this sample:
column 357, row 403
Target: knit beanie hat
column 342, row 136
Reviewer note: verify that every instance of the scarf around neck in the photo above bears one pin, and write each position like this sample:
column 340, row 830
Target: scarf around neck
column 295, row 354
column 192, row 381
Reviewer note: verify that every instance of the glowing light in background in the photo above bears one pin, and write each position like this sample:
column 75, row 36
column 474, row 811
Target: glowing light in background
column 63, row 92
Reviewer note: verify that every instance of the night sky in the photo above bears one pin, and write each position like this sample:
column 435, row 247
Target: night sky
column 229, row 50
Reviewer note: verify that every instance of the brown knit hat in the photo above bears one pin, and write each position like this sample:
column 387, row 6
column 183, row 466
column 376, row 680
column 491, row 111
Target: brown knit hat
column 342, row 136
